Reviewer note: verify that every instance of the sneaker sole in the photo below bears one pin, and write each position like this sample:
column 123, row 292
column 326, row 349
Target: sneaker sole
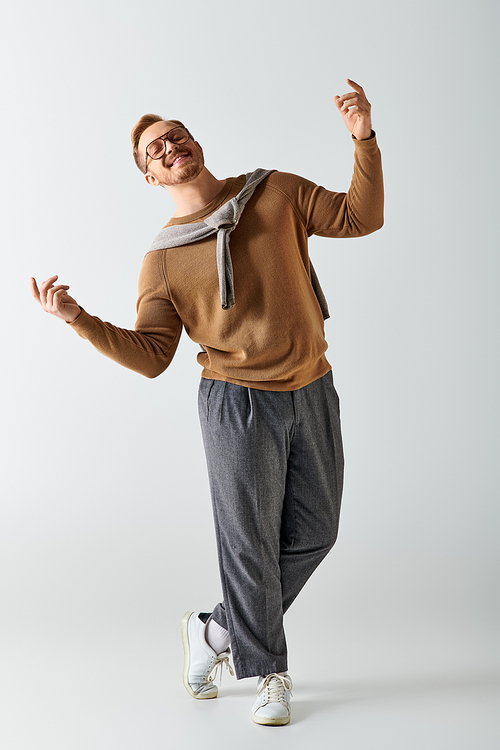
column 276, row 722
column 185, row 671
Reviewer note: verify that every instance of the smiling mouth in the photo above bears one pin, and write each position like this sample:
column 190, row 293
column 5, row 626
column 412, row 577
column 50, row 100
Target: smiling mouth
column 178, row 158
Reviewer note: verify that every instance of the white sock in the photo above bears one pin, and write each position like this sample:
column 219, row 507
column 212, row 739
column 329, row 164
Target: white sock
column 217, row 637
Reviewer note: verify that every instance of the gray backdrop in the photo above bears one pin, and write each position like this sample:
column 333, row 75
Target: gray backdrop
column 106, row 530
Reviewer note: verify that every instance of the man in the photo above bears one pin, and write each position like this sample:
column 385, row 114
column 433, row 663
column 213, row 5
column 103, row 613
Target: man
column 232, row 268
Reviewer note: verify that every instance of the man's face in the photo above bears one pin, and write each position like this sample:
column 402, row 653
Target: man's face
column 179, row 164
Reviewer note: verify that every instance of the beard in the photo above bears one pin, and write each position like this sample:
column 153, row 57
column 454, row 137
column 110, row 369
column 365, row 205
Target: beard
column 187, row 172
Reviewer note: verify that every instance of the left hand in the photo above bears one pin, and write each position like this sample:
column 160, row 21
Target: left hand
column 55, row 299
column 356, row 111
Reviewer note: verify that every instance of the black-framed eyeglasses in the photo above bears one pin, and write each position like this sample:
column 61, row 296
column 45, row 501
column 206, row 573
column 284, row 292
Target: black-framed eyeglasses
column 156, row 149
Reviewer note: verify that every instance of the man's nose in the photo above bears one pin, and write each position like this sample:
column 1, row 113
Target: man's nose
column 170, row 147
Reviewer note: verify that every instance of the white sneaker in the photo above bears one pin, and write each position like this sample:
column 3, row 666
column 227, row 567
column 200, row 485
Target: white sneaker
column 272, row 706
column 200, row 661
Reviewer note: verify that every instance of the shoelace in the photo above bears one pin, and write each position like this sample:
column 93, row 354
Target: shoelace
column 219, row 661
column 275, row 684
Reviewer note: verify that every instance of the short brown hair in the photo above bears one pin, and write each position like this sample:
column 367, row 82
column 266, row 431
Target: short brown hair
column 138, row 130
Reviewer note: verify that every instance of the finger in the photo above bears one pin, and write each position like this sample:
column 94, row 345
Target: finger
column 357, row 110
column 57, row 298
column 34, row 289
column 44, row 288
column 56, row 305
column 56, row 290
column 353, row 95
column 353, row 102
column 356, row 106
column 355, row 85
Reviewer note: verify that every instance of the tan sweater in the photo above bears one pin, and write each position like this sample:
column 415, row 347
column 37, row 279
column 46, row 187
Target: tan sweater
column 273, row 338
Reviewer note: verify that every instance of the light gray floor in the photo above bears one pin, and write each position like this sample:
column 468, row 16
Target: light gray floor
column 91, row 691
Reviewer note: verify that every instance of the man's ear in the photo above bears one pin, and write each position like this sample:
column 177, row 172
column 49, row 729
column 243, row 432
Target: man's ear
column 200, row 148
column 151, row 179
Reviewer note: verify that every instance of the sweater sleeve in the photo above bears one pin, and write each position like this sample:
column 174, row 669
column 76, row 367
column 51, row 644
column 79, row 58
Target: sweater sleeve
column 358, row 212
column 150, row 347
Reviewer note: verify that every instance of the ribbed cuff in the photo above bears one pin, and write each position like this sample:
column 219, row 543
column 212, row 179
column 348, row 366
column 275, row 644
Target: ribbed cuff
column 364, row 140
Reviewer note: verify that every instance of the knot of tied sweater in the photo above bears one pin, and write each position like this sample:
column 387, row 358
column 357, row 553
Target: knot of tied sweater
column 227, row 216
column 224, row 221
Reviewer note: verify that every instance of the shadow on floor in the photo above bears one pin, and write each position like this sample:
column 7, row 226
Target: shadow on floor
column 315, row 698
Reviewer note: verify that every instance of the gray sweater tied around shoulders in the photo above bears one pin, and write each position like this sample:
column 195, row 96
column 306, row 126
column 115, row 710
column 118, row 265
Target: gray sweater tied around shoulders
column 224, row 221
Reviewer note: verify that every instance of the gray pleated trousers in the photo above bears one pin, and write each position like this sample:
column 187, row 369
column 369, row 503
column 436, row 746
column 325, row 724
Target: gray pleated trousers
column 275, row 466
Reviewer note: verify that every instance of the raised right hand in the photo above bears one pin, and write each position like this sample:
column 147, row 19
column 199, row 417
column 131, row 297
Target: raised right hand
column 356, row 111
column 55, row 299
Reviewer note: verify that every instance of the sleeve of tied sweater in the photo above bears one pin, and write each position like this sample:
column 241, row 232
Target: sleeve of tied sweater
column 356, row 213
column 149, row 348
